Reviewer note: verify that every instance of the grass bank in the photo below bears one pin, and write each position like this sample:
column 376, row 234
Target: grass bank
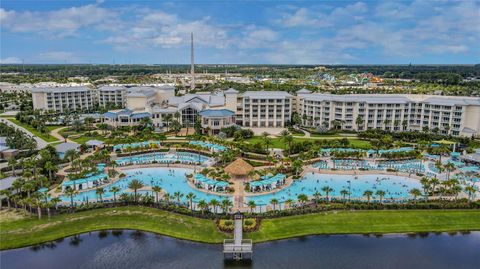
column 278, row 142
column 28, row 231
column 360, row 222
column 45, row 136
column 18, row 232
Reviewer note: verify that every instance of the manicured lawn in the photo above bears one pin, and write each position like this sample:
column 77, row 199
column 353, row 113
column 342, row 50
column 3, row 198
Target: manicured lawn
column 278, row 142
column 17, row 232
column 85, row 137
column 46, row 137
column 368, row 222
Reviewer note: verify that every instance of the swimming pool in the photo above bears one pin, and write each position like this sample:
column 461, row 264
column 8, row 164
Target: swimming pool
column 396, row 187
column 210, row 146
column 170, row 180
column 164, row 157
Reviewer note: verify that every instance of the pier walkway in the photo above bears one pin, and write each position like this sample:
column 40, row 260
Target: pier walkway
column 238, row 248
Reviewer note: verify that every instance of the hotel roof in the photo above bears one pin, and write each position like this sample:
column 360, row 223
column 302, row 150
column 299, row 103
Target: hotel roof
column 112, row 88
column 391, row 99
column 216, row 113
column 64, row 147
column 141, row 92
column 208, row 99
column 267, row 94
column 61, row 89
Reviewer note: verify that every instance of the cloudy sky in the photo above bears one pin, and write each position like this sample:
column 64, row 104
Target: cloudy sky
column 272, row 32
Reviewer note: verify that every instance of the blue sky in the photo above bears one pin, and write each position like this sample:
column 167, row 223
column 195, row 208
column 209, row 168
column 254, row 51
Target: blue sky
column 245, row 32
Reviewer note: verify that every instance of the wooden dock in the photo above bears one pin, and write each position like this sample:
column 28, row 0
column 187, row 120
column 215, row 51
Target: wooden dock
column 238, row 248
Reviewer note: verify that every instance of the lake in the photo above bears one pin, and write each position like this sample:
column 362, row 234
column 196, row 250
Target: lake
column 134, row 249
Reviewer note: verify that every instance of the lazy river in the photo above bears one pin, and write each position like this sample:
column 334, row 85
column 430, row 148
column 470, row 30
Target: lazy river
column 170, row 180
column 396, row 187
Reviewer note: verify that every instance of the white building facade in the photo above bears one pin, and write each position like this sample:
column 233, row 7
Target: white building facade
column 458, row 116
column 61, row 99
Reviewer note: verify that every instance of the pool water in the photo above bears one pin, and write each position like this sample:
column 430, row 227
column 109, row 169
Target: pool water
column 396, row 187
column 163, row 157
column 170, row 180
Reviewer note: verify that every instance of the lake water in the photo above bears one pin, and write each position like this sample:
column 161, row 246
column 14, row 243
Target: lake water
column 132, row 249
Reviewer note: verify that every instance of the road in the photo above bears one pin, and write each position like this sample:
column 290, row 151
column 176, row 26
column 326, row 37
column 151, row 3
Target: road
column 40, row 142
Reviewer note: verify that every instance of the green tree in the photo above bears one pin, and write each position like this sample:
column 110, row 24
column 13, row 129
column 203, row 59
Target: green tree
column 302, row 199
column 190, row 196
column 134, row 185
column 114, row 190
column 251, row 204
column 71, row 193
column 99, row 192
column 327, row 190
column 156, row 190
column 226, row 205
column 380, row 194
column 203, row 205
column 214, row 203
column 368, row 194
column 274, row 202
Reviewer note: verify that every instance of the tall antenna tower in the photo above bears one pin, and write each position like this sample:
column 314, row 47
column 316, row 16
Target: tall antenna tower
column 192, row 64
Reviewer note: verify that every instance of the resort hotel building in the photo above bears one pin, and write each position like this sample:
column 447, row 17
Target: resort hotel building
column 455, row 115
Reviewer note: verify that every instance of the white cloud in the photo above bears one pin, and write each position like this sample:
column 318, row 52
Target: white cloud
column 310, row 33
column 254, row 37
column 321, row 16
column 62, row 22
column 10, row 60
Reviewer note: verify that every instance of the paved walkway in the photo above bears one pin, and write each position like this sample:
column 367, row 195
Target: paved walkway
column 239, row 195
column 56, row 133
column 40, row 142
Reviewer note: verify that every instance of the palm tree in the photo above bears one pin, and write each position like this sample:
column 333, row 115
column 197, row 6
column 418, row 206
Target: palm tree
column 415, row 193
column 156, row 190
column 190, row 196
column 167, row 197
column 177, row 195
column 226, row 205
column 71, row 193
column 381, row 194
column 344, row 194
column 99, row 192
column 425, row 185
column 168, row 119
column 134, row 185
column 274, row 202
column 449, row 167
column 434, row 182
column 12, row 162
column 456, row 189
column 114, row 190
column 28, row 187
column 7, row 193
column 214, row 203
column 288, row 202
column 359, row 121
column 471, row 192
column 297, row 166
column 302, row 198
column 316, row 196
column 327, row 190
column 251, row 204
column 38, row 204
column 368, row 194
column 267, row 141
column 55, row 202
column 202, row 205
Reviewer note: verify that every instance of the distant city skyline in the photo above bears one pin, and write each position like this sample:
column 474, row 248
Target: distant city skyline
column 246, row 32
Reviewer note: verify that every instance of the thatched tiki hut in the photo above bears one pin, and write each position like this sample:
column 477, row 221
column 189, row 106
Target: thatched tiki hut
column 239, row 168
